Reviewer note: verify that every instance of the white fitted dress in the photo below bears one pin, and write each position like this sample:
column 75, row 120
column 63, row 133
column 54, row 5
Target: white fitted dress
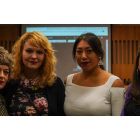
column 103, row 100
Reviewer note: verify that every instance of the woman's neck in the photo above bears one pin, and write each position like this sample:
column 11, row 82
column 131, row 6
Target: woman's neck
column 95, row 72
column 30, row 74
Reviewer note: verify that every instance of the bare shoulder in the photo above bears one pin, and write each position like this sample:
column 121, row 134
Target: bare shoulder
column 118, row 83
column 105, row 75
column 65, row 80
column 76, row 75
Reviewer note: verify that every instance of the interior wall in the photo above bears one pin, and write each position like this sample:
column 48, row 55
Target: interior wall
column 125, row 43
column 124, row 46
column 9, row 33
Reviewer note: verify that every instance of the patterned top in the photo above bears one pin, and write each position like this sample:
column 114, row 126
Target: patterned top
column 3, row 110
column 22, row 106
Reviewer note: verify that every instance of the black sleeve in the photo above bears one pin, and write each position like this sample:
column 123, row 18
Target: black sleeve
column 4, row 91
column 9, row 91
column 60, row 97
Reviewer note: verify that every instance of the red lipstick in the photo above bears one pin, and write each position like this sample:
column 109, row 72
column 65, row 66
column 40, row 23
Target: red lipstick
column 1, row 82
column 32, row 62
column 85, row 63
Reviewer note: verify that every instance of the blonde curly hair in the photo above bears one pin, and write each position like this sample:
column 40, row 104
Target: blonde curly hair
column 6, row 58
column 47, row 70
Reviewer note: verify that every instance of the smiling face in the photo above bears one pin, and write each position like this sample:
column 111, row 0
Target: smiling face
column 86, row 58
column 32, row 56
column 4, row 74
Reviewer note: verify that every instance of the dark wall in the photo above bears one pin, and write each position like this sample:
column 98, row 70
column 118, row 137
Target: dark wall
column 9, row 33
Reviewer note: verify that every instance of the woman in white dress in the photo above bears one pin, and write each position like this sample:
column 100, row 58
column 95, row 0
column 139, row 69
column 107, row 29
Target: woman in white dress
column 92, row 91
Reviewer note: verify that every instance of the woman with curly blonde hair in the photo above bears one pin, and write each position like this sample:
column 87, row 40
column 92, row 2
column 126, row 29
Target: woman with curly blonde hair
column 34, row 88
column 5, row 67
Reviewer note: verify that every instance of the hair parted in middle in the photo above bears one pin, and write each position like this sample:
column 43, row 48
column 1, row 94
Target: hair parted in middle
column 47, row 70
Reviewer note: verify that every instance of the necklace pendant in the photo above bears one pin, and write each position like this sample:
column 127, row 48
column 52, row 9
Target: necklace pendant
column 29, row 83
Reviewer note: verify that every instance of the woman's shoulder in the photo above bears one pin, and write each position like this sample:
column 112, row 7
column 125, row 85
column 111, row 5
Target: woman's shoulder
column 117, row 82
column 10, row 86
column 57, row 81
column 57, row 86
column 12, row 83
column 107, row 74
column 70, row 77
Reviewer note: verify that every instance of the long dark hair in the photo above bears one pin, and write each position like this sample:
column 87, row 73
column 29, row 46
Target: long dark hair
column 93, row 41
column 135, row 88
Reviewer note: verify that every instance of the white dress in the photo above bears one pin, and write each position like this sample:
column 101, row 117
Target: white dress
column 102, row 100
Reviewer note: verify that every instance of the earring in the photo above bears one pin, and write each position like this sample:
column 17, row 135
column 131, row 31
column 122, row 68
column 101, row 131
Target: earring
column 100, row 61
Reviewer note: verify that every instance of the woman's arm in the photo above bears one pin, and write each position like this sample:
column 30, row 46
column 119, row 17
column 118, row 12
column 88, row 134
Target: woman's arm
column 117, row 100
column 61, row 97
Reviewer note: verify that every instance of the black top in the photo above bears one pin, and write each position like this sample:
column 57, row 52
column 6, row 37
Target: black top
column 55, row 96
column 132, row 110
